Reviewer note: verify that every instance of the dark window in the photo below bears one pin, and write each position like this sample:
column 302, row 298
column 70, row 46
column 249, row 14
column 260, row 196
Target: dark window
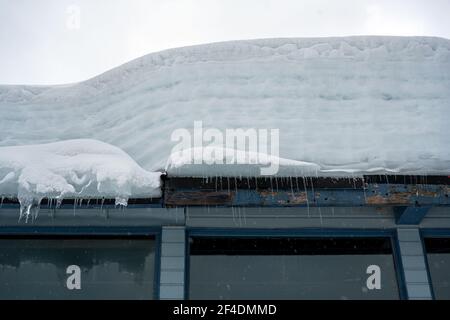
column 290, row 268
column 438, row 256
column 109, row 268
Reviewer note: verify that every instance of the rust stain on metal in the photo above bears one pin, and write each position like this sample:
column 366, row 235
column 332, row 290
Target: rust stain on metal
column 298, row 198
column 292, row 197
column 426, row 193
column 193, row 198
column 374, row 200
column 266, row 193
column 395, row 197
column 391, row 198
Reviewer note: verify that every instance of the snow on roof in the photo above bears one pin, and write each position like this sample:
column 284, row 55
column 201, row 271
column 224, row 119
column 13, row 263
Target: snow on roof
column 342, row 105
column 75, row 169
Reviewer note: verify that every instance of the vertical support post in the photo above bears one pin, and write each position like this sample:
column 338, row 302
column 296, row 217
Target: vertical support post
column 413, row 261
column 173, row 251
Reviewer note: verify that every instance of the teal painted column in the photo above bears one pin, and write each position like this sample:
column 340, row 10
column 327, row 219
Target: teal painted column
column 413, row 261
column 173, row 249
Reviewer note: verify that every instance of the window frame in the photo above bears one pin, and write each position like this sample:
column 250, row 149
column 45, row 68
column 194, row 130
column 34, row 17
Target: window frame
column 304, row 233
column 93, row 232
column 431, row 233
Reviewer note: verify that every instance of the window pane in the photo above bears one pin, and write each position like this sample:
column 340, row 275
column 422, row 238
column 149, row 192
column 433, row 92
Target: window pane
column 289, row 268
column 438, row 256
column 109, row 268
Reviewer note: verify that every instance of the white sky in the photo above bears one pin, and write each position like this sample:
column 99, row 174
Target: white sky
column 47, row 42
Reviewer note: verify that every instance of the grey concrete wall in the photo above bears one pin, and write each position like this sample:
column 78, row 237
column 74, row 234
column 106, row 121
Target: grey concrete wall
column 121, row 217
column 437, row 217
column 288, row 218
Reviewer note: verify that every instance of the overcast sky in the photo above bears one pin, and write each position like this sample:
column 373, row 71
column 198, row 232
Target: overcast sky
column 63, row 41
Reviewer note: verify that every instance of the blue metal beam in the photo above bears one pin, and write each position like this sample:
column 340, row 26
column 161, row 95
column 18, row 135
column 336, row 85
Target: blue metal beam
column 372, row 195
column 410, row 215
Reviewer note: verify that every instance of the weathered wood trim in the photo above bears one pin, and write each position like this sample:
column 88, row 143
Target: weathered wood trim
column 404, row 191
column 294, row 192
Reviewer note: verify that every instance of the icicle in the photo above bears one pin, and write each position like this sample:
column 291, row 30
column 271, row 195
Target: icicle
column 354, row 180
column 306, row 195
column 296, row 185
column 29, row 207
column 233, row 215
column 1, row 202
column 58, row 202
column 292, row 187
column 320, row 216
column 35, row 211
column 121, row 201
column 239, row 217
column 24, row 211
column 312, row 188
column 364, row 190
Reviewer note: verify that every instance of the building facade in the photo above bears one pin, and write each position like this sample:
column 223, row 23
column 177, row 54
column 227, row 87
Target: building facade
column 372, row 237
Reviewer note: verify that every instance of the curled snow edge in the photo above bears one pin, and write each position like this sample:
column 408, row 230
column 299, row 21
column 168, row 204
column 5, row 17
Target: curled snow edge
column 82, row 168
column 216, row 161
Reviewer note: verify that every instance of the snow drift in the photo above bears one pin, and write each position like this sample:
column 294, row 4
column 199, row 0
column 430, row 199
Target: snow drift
column 343, row 105
column 75, row 169
column 235, row 163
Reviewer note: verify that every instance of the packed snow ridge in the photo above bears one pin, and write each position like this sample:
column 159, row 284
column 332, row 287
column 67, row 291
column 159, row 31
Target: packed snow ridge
column 344, row 106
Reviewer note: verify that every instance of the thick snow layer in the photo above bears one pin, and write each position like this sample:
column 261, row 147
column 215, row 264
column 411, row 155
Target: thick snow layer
column 356, row 104
column 184, row 164
column 252, row 164
column 76, row 169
